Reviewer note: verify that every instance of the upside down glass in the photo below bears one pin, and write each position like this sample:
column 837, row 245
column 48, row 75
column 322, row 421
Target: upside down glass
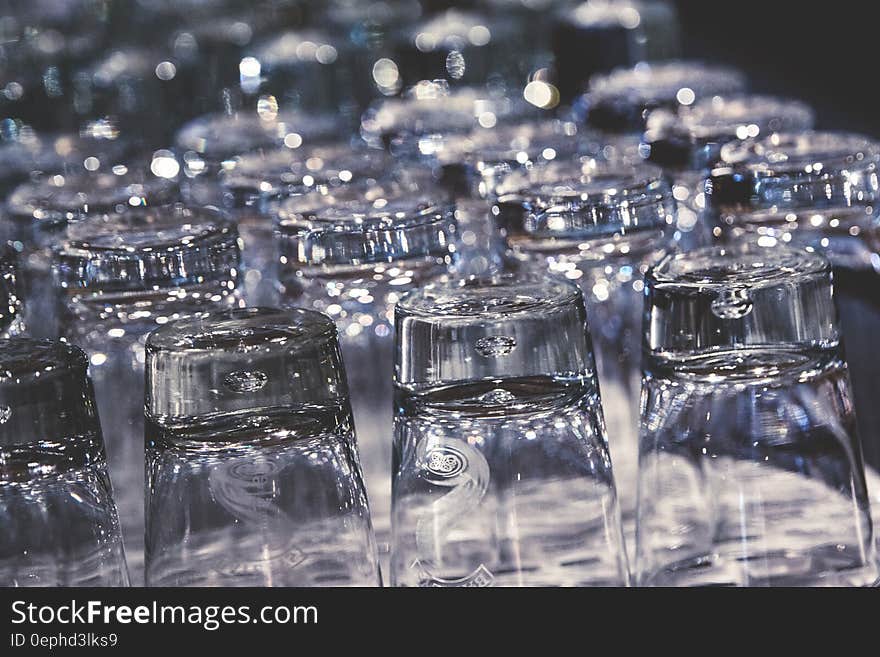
column 40, row 211
column 254, row 478
column 351, row 253
column 60, row 526
column 502, row 475
column 120, row 277
column 750, row 470
column 599, row 224
column 816, row 189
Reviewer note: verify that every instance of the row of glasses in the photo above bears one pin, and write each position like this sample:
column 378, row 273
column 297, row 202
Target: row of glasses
column 750, row 469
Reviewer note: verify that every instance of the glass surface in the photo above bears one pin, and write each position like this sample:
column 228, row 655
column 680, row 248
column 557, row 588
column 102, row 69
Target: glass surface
column 254, row 478
column 750, row 470
column 502, row 475
column 417, row 123
column 60, row 526
column 210, row 140
column 351, row 252
column 464, row 47
column 816, row 189
column 598, row 223
column 598, row 36
column 619, row 102
column 12, row 301
column 120, row 277
column 39, row 213
column 253, row 186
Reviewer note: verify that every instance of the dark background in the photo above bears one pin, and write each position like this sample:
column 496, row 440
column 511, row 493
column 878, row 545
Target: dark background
column 826, row 53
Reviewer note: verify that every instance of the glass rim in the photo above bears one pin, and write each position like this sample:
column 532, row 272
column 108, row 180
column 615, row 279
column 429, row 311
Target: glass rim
column 797, row 170
column 744, row 265
column 25, row 359
column 79, row 196
column 494, row 297
column 244, row 329
column 209, row 134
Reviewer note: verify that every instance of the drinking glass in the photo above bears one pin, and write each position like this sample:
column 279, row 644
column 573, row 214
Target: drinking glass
column 26, row 153
column 502, row 475
column 598, row 36
column 816, row 189
column 688, row 143
column 619, row 101
column 39, row 212
column 308, row 70
column 119, row 277
column 254, row 478
column 463, row 47
column 750, row 470
column 60, row 526
column 599, row 223
column 252, row 186
column 416, row 124
column 350, row 252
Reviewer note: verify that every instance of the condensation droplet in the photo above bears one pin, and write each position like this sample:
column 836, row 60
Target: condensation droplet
column 732, row 304
column 243, row 381
column 455, row 65
column 493, row 346
column 5, row 414
column 497, row 396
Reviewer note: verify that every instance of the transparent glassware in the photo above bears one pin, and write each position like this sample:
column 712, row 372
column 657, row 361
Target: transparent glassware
column 689, row 142
column 39, row 212
column 12, row 300
column 26, row 153
column 252, row 186
column 464, row 47
column 620, row 101
column 119, row 277
column 60, row 526
column 370, row 27
column 308, row 70
column 598, row 36
column 816, row 189
column 416, row 124
column 210, row 140
column 254, row 477
column 750, row 469
column 351, row 252
column 599, row 223
column 502, row 475
column 132, row 85
column 473, row 163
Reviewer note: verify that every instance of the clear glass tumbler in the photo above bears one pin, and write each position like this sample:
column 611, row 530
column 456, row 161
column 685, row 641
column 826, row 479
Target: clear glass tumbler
column 750, row 469
column 254, row 478
column 39, row 212
column 351, row 253
column 620, row 101
column 502, row 475
column 598, row 223
column 252, row 187
column 598, row 36
column 119, row 278
column 688, row 143
column 816, row 189
column 59, row 520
